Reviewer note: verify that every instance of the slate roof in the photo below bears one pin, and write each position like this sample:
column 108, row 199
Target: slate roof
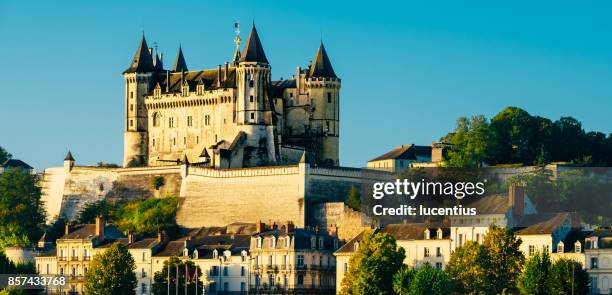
column 49, row 253
column 405, row 152
column 207, row 77
column 301, row 238
column 541, row 223
column 349, row 247
column 572, row 237
column 277, row 87
column 142, row 61
column 413, row 231
column 14, row 163
column 179, row 63
column 69, row 157
column 495, row 204
column 88, row 231
column 172, row 248
column 321, row 66
column 146, row 243
column 253, row 50
column 604, row 238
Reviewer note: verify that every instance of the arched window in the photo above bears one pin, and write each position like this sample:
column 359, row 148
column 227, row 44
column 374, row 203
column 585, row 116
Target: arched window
column 156, row 119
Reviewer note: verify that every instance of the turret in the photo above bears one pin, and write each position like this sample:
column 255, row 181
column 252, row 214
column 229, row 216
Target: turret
column 323, row 87
column 138, row 81
column 179, row 63
column 254, row 109
column 68, row 162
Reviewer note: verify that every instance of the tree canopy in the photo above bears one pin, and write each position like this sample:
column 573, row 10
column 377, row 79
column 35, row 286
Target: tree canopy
column 21, row 212
column 514, row 136
column 111, row 272
column 564, row 276
column 429, row 280
column 372, row 267
column 4, row 155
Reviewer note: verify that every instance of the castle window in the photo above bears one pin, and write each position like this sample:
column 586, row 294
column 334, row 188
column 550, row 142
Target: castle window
column 251, row 98
column 153, row 142
column 156, row 119
column 185, row 90
column 197, row 139
column 200, row 89
column 171, row 122
column 184, row 140
column 189, row 121
column 131, row 123
column 250, row 83
column 131, row 107
column 329, row 99
column 291, row 94
column 131, row 94
column 252, row 116
column 157, row 93
column 174, row 141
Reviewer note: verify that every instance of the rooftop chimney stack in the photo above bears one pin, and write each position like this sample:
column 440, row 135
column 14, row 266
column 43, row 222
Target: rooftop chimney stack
column 516, row 197
column 67, row 229
column 289, row 227
column 100, row 225
column 260, row 227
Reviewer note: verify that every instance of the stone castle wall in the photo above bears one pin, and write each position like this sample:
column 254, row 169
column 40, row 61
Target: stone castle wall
column 349, row 222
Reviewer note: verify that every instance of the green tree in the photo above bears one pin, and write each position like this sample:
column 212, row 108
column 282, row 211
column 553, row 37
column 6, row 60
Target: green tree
column 372, row 267
column 160, row 279
column 429, row 280
column 21, row 211
column 468, row 269
column 471, row 141
column 92, row 210
column 505, row 259
column 536, row 278
column 4, row 155
column 111, row 272
column 402, row 279
column 567, row 274
column 148, row 216
column 353, row 198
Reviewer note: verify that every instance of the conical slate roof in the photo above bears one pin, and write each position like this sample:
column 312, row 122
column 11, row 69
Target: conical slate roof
column 69, row 157
column 321, row 66
column 253, row 51
column 142, row 62
column 179, row 63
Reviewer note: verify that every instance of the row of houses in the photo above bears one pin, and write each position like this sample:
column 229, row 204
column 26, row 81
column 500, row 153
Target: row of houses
column 279, row 258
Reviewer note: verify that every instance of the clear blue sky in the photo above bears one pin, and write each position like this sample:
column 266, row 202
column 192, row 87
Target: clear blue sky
column 408, row 69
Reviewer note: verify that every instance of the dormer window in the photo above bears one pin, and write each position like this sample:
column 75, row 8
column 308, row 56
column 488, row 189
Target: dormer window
column 273, row 242
column 186, row 252
column 356, row 246
column 578, row 247
column 185, row 89
column 439, row 234
column 560, row 247
column 195, row 254
column 321, row 243
column 259, row 242
column 200, row 89
column 157, row 92
column 215, row 254
column 426, row 233
column 313, row 243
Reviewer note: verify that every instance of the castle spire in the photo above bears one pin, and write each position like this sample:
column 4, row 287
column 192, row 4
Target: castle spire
column 69, row 157
column 179, row 63
column 321, row 66
column 142, row 61
column 253, row 51
column 236, row 58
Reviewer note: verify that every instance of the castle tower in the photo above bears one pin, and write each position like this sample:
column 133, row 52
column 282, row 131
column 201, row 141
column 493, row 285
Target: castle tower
column 323, row 87
column 179, row 63
column 254, row 108
column 138, row 79
column 68, row 162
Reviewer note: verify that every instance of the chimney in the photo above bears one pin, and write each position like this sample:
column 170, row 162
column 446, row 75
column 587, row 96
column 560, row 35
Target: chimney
column 159, row 237
column 274, row 226
column 130, row 238
column 289, row 227
column 219, row 76
column 100, row 225
column 225, row 73
column 437, row 152
column 67, row 229
column 260, row 227
column 516, row 197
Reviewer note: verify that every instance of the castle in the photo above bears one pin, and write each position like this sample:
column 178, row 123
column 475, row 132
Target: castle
column 232, row 116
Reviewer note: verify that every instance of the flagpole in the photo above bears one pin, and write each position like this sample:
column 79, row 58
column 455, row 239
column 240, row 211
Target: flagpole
column 168, row 277
column 177, row 279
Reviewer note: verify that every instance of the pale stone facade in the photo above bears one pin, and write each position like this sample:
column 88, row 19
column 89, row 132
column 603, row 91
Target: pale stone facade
column 232, row 116
column 598, row 258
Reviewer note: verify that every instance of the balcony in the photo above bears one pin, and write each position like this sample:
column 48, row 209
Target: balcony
column 62, row 258
column 86, row 258
column 74, row 258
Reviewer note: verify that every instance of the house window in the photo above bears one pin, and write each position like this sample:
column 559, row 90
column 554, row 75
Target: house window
column 300, row 260
column 212, row 287
column 153, row 142
column 438, row 252
column 143, row 273
column 439, row 265
column 478, row 238
column 174, row 141
column 242, row 271
column 225, row 271
column 313, row 243
column 225, row 286
column 345, row 267
column 594, row 262
column 143, row 288
column 426, row 252
column 252, row 116
column 144, row 256
column 546, row 249
column 560, row 248
column 242, row 287
column 578, row 247
column 251, row 98
column 171, row 122
column 461, row 239
column 214, row 271
column 531, row 250
column 189, row 121
column 300, row 280
column 321, row 243
column 329, row 98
